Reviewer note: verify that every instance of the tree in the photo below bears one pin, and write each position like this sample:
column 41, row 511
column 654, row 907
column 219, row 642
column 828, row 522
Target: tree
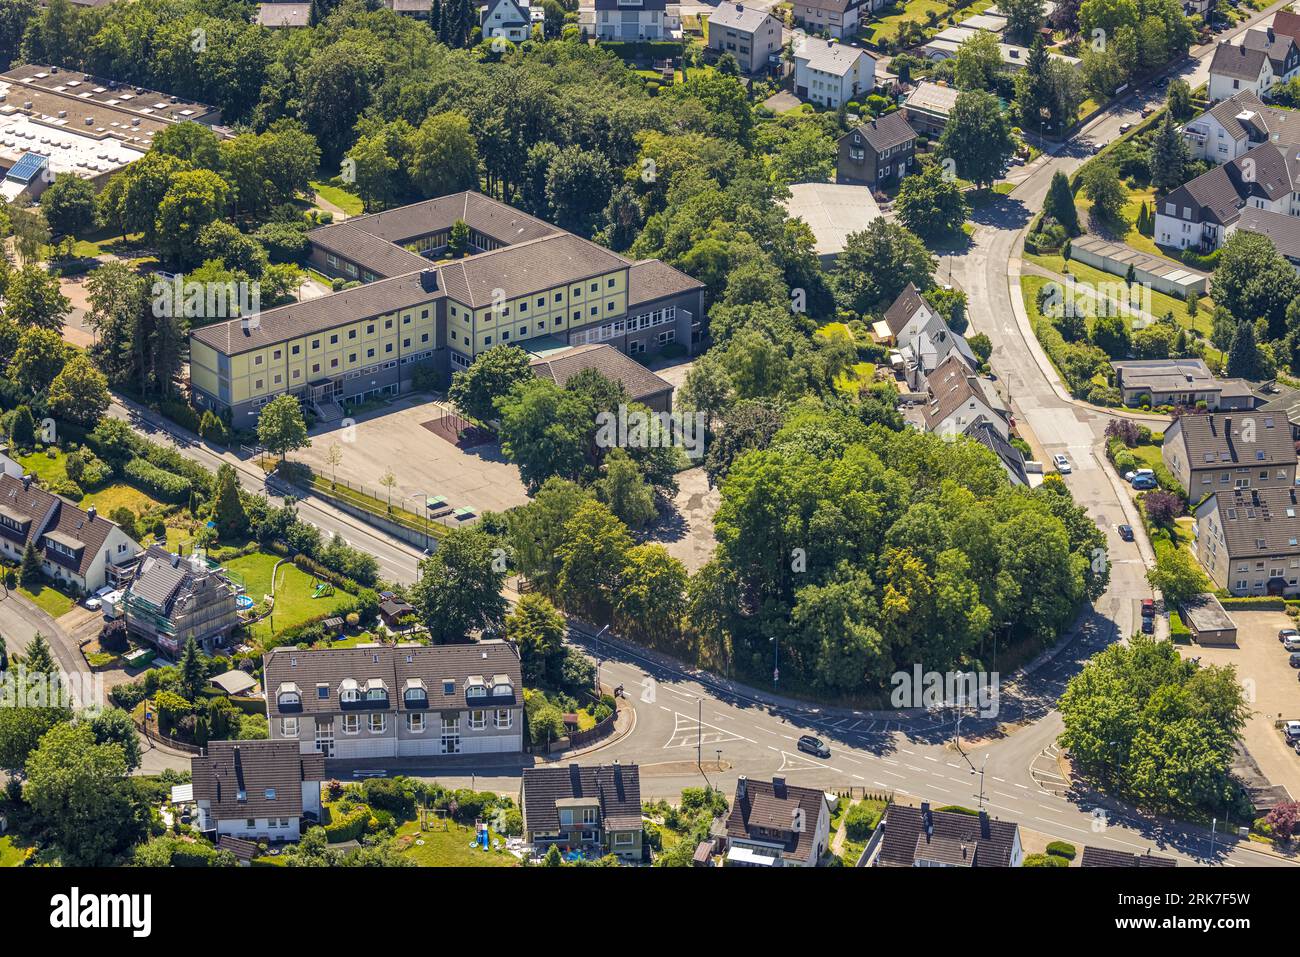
column 1162, row 507
column 78, row 789
column 69, row 205
column 1169, row 156
column 37, row 360
column 492, row 375
column 979, row 61
column 1178, row 99
column 21, row 730
column 389, row 481
column 1177, row 576
column 1243, row 358
column 33, row 299
column 459, row 588
column 227, row 505
column 444, row 155
column 538, row 628
column 878, row 263
column 547, row 431
column 193, row 671
column 458, row 241
column 578, row 184
column 1110, row 334
column 977, row 137
column 79, row 393
column 280, row 427
column 592, row 557
column 1284, row 819
column 1024, row 17
column 1252, row 280
column 334, row 458
column 1102, row 186
column 931, row 204
column 114, row 726
column 651, row 599
column 625, row 491
column 194, row 199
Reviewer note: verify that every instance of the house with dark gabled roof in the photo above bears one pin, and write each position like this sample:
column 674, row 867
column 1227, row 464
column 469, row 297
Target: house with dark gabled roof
column 403, row 700
column 508, row 19
column 775, row 824
column 1248, row 540
column 1220, row 451
column 642, row 385
column 591, row 809
column 877, row 152
column 172, row 599
column 1238, row 124
column 1237, row 67
column 922, row 837
column 1105, row 857
column 78, row 548
column 256, row 790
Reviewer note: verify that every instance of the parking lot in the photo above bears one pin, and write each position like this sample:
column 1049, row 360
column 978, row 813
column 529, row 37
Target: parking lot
column 395, row 437
column 1262, row 667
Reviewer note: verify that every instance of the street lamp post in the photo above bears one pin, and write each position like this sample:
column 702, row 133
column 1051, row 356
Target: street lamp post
column 424, row 510
column 598, row 658
column 776, row 661
column 980, row 772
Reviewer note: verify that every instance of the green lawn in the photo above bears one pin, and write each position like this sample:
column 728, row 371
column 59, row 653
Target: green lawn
column 350, row 203
column 50, row 600
column 106, row 240
column 12, row 854
column 114, row 495
column 886, row 27
column 294, row 603
column 449, row 848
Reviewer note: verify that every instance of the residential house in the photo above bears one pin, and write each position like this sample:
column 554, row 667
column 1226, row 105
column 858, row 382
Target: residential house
column 173, row 599
column 404, row 700
column 1105, row 857
column 905, row 318
column 1248, row 540
column 1286, row 406
column 1215, row 452
column 958, row 399
column 833, row 18
column 750, row 35
column 988, row 434
column 877, row 152
column 631, row 20
column 592, row 809
column 829, row 74
column 81, row 550
column 1283, row 56
column 834, row 212
column 775, row 824
column 922, row 339
column 1186, row 382
column 1233, row 127
column 525, row 282
column 922, row 837
column 642, row 385
column 256, row 790
column 508, row 19
column 928, row 107
column 1280, row 229
column 1238, row 67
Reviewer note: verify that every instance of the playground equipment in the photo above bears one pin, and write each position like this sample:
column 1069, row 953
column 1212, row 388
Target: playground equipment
column 322, row 589
column 481, row 835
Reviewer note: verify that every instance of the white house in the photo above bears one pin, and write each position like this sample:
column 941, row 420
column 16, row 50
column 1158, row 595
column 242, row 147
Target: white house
column 1238, row 124
column 829, row 73
column 256, row 790
column 1237, row 68
column 509, row 19
column 959, row 398
column 631, row 20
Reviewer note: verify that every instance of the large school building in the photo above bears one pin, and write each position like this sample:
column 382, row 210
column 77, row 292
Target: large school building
column 524, row 282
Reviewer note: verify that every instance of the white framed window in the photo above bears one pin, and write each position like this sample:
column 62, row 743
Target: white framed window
column 378, row 723
column 415, row 723
column 477, row 720
column 624, row 839
column 289, row 727
column 504, row 718
column 351, row 724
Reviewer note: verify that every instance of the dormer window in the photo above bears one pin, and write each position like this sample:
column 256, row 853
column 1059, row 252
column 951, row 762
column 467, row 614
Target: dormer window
column 415, row 695
column 288, row 696
column 349, row 693
column 476, row 687
column 375, row 690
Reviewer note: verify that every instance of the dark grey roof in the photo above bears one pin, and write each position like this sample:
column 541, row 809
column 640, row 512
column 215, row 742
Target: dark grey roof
column 159, row 577
column 251, row 779
column 1237, row 62
column 983, row 432
column 1279, row 49
column 1287, row 404
column 1214, row 440
column 650, row 279
column 901, row 311
column 640, row 383
column 483, row 214
column 1212, row 196
column 1105, row 857
column 1282, row 230
column 616, row 788
column 26, row 501
column 319, row 315
column 1267, row 170
column 379, row 256
column 913, row 834
column 764, row 807
column 525, row 268
column 737, row 16
column 1256, row 522
column 885, row 132
column 397, row 667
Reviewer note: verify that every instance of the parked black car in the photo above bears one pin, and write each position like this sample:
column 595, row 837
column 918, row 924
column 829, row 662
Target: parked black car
column 1126, row 532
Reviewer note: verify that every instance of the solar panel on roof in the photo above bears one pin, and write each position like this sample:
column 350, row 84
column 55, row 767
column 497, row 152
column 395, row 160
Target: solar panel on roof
column 29, row 165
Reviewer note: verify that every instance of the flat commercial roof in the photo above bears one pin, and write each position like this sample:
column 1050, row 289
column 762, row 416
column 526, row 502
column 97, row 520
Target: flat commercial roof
column 832, row 211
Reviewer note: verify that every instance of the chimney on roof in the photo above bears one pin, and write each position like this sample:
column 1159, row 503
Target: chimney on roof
column 429, row 280
column 927, row 819
column 984, row 824
column 778, row 785
column 742, row 784
column 1270, row 34
column 27, row 480
column 91, row 512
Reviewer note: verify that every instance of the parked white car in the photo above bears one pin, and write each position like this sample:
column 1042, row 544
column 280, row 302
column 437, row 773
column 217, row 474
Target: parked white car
column 1061, row 462
column 1130, row 475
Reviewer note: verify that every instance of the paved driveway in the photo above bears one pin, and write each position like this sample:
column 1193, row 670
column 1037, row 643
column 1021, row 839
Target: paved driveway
column 1270, row 682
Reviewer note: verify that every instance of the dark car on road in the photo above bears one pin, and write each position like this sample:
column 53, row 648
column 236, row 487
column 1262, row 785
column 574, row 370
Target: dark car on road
column 814, row 746
column 1126, row 532
column 1295, row 660
column 1148, row 625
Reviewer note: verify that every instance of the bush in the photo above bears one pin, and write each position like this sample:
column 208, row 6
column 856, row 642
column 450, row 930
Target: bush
column 1062, row 849
column 860, row 820
column 393, row 795
column 112, row 637
column 1045, row 860
column 165, row 485
column 348, row 826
